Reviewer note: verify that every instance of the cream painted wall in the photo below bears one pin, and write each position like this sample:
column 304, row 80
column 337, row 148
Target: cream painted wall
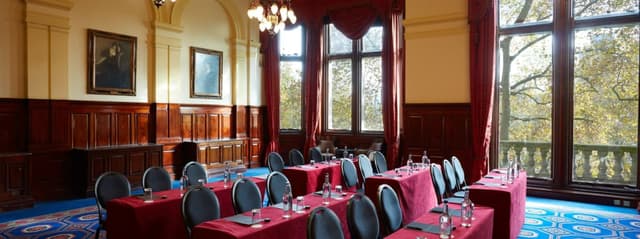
column 12, row 49
column 132, row 18
column 437, row 51
column 206, row 25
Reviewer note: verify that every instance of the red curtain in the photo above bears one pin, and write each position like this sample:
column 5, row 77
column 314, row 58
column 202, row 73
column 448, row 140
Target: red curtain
column 312, row 84
column 392, row 65
column 271, row 78
column 482, row 22
column 354, row 22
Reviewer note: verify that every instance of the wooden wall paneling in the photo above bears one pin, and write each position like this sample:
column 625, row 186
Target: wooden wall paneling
column 214, row 155
column 242, row 118
column 13, row 130
column 160, row 122
column 80, row 126
column 213, row 129
column 175, row 121
column 187, row 127
column 61, row 126
column 199, row 127
column 141, row 129
column 136, row 166
column 123, row 129
column 102, row 130
column 225, row 126
column 256, row 148
column 51, row 175
column 171, row 159
column 40, row 123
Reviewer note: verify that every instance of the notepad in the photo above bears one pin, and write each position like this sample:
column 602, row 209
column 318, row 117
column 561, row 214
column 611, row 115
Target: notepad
column 242, row 219
column 497, row 185
column 435, row 229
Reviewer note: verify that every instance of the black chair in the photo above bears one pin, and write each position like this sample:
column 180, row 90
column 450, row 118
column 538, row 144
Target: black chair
column 194, row 172
column 462, row 183
column 276, row 182
column 366, row 170
column 438, row 182
column 275, row 162
column 156, row 178
column 199, row 204
column 362, row 218
column 323, row 223
column 110, row 185
column 245, row 196
column 295, row 157
column 389, row 208
column 349, row 173
column 315, row 154
column 449, row 177
column 380, row 162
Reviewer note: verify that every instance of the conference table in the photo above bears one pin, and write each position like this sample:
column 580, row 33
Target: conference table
column 415, row 191
column 131, row 217
column 481, row 227
column 294, row 227
column 308, row 178
column 507, row 199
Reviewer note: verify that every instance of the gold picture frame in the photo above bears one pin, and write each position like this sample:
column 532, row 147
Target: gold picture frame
column 205, row 73
column 111, row 63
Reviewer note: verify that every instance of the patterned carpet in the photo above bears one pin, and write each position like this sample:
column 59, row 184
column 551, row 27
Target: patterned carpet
column 77, row 223
column 559, row 221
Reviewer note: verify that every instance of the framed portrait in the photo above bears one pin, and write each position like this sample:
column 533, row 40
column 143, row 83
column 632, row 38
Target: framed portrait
column 206, row 73
column 111, row 63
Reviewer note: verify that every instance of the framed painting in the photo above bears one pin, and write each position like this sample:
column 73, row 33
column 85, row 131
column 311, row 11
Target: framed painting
column 205, row 73
column 111, row 63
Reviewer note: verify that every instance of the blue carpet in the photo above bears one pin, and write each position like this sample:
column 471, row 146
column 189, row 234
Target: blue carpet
column 545, row 218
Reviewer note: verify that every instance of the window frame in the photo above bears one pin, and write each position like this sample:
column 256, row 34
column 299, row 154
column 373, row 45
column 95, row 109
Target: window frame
column 562, row 27
column 302, row 59
column 356, row 56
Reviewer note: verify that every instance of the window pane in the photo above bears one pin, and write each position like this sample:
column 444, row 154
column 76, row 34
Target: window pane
column 371, row 94
column 605, row 124
column 291, row 42
column 372, row 41
column 518, row 11
column 290, row 95
column 590, row 8
column 340, row 95
column 525, row 88
column 338, row 42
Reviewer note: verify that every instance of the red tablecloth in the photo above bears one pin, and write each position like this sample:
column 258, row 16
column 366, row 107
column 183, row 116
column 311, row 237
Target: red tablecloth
column 508, row 203
column 481, row 227
column 279, row 227
column 415, row 192
column 131, row 217
column 306, row 179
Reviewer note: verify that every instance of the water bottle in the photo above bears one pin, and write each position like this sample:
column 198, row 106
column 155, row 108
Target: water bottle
column 510, row 172
column 184, row 184
column 446, row 223
column 345, row 154
column 326, row 190
column 226, row 177
column 425, row 160
column 516, row 170
column 409, row 164
column 287, row 201
column 466, row 210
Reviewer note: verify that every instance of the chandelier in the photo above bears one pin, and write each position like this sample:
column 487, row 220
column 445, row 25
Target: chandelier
column 159, row 3
column 272, row 14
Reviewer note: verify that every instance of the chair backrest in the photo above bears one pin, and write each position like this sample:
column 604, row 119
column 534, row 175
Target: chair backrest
column 323, row 223
column 276, row 182
column 449, row 176
column 365, row 166
column 438, row 181
column 349, row 173
column 194, row 171
column 110, row 185
column 199, row 204
column 459, row 172
column 275, row 162
column 315, row 153
column 156, row 178
column 380, row 162
column 362, row 218
column 245, row 196
column 389, row 208
column 295, row 157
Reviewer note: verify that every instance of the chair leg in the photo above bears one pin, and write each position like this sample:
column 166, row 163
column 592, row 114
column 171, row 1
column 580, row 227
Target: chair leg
column 97, row 233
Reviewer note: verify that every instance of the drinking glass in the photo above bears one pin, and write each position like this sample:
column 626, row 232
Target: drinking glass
column 339, row 191
column 239, row 176
column 256, row 218
column 312, row 162
column 300, row 204
column 148, row 194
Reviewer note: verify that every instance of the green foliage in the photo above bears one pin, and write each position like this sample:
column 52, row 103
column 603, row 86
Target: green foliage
column 290, row 95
